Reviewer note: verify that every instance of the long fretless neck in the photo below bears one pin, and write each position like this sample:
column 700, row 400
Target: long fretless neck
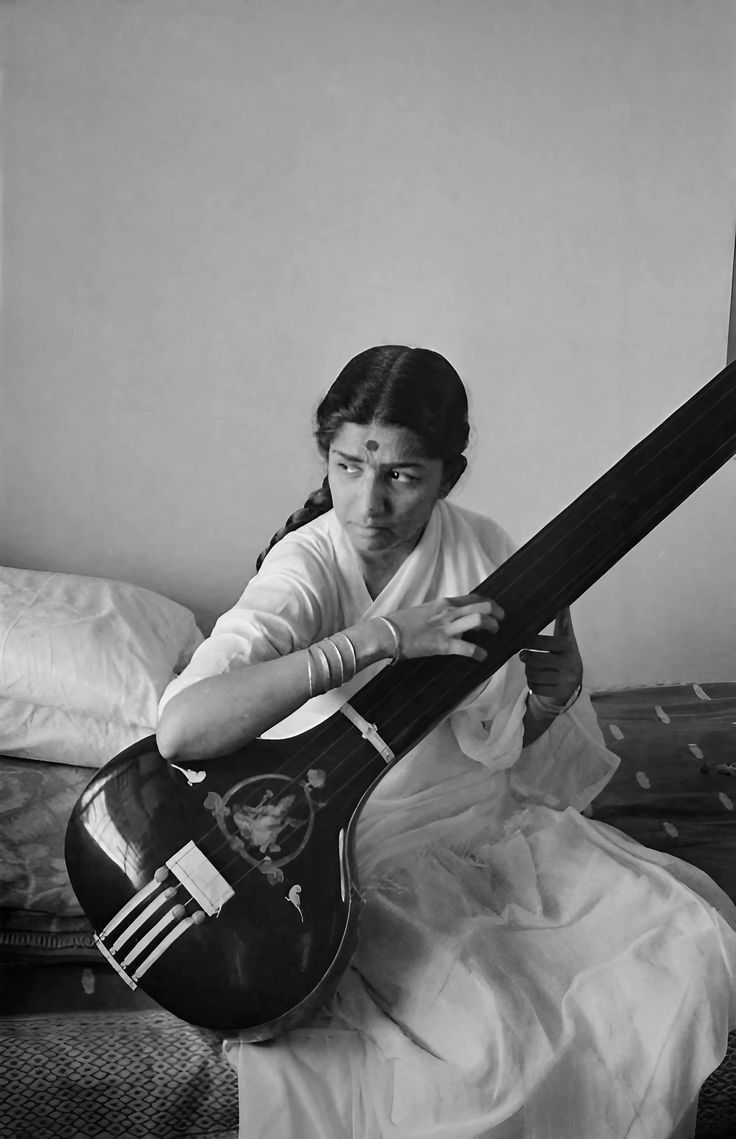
column 564, row 559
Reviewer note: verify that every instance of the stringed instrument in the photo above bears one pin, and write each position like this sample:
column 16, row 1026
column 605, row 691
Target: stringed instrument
column 229, row 893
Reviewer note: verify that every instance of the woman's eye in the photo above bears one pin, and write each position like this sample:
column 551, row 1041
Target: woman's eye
column 401, row 476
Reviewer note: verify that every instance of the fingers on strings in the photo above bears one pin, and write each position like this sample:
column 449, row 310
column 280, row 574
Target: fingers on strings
column 475, row 603
column 472, row 616
column 472, row 621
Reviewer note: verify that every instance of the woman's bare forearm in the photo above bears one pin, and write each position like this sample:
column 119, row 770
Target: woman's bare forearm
column 221, row 713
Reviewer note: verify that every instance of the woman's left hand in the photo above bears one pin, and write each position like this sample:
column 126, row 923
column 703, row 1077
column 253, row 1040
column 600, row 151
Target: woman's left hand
column 554, row 667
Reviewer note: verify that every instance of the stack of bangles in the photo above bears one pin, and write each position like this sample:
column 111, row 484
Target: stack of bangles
column 329, row 666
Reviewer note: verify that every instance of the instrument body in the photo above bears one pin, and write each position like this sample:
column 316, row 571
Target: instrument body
column 273, row 824
column 268, row 821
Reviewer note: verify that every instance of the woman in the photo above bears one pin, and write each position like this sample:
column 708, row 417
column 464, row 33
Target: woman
column 522, row 971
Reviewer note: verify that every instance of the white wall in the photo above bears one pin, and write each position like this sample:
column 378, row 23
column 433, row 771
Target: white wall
column 209, row 207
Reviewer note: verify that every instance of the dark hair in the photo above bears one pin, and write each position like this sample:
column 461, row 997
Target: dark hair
column 414, row 388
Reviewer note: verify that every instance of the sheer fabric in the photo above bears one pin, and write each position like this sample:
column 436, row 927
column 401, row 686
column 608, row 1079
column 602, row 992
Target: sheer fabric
column 523, row 972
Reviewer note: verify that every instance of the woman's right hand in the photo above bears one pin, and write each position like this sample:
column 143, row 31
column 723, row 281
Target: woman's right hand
column 437, row 628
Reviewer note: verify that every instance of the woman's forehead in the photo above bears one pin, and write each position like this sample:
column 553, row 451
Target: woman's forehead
column 380, row 441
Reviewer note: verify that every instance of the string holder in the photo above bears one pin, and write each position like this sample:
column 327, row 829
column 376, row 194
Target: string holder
column 202, row 882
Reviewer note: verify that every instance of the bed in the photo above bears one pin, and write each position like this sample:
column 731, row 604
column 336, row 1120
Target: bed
column 84, row 661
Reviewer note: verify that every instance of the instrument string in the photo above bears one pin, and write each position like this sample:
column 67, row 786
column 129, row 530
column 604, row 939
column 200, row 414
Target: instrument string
column 346, row 736
column 460, row 683
column 593, row 539
column 457, row 685
column 397, row 713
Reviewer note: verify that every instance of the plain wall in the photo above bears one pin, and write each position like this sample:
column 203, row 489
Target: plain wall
column 208, row 208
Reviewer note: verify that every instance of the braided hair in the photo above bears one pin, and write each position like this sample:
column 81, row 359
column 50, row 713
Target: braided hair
column 414, row 388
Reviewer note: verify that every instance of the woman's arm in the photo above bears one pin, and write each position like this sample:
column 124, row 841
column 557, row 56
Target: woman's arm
column 221, row 713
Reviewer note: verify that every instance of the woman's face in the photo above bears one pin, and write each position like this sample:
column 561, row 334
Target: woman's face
column 383, row 489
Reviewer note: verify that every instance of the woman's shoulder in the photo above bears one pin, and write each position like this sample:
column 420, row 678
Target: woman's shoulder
column 311, row 545
column 491, row 535
column 293, row 587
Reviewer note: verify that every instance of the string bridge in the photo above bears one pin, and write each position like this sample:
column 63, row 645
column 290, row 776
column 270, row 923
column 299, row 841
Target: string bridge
column 368, row 731
column 133, row 951
column 197, row 874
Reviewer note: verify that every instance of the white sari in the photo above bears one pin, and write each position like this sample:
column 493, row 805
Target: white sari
column 523, row 972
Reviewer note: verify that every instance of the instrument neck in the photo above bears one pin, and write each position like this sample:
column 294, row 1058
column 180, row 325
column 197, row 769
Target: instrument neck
column 563, row 560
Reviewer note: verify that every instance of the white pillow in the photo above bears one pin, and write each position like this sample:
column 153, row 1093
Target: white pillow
column 83, row 663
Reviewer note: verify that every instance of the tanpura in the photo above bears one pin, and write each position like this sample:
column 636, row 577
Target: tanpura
column 228, row 890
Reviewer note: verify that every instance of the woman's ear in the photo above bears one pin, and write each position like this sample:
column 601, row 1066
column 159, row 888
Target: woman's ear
column 453, row 471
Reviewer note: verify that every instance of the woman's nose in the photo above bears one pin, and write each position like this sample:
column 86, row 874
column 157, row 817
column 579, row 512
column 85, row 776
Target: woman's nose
column 374, row 500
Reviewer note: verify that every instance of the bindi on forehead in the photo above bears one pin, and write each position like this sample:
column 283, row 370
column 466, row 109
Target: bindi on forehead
column 378, row 445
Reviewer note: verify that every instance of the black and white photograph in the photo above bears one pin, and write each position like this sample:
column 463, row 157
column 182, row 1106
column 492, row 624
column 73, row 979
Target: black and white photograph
column 367, row 569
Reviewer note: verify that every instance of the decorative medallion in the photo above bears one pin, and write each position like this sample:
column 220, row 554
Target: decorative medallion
column 268, row 819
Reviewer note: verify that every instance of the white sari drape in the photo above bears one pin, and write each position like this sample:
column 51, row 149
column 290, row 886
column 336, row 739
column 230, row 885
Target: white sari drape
column 522, row 971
